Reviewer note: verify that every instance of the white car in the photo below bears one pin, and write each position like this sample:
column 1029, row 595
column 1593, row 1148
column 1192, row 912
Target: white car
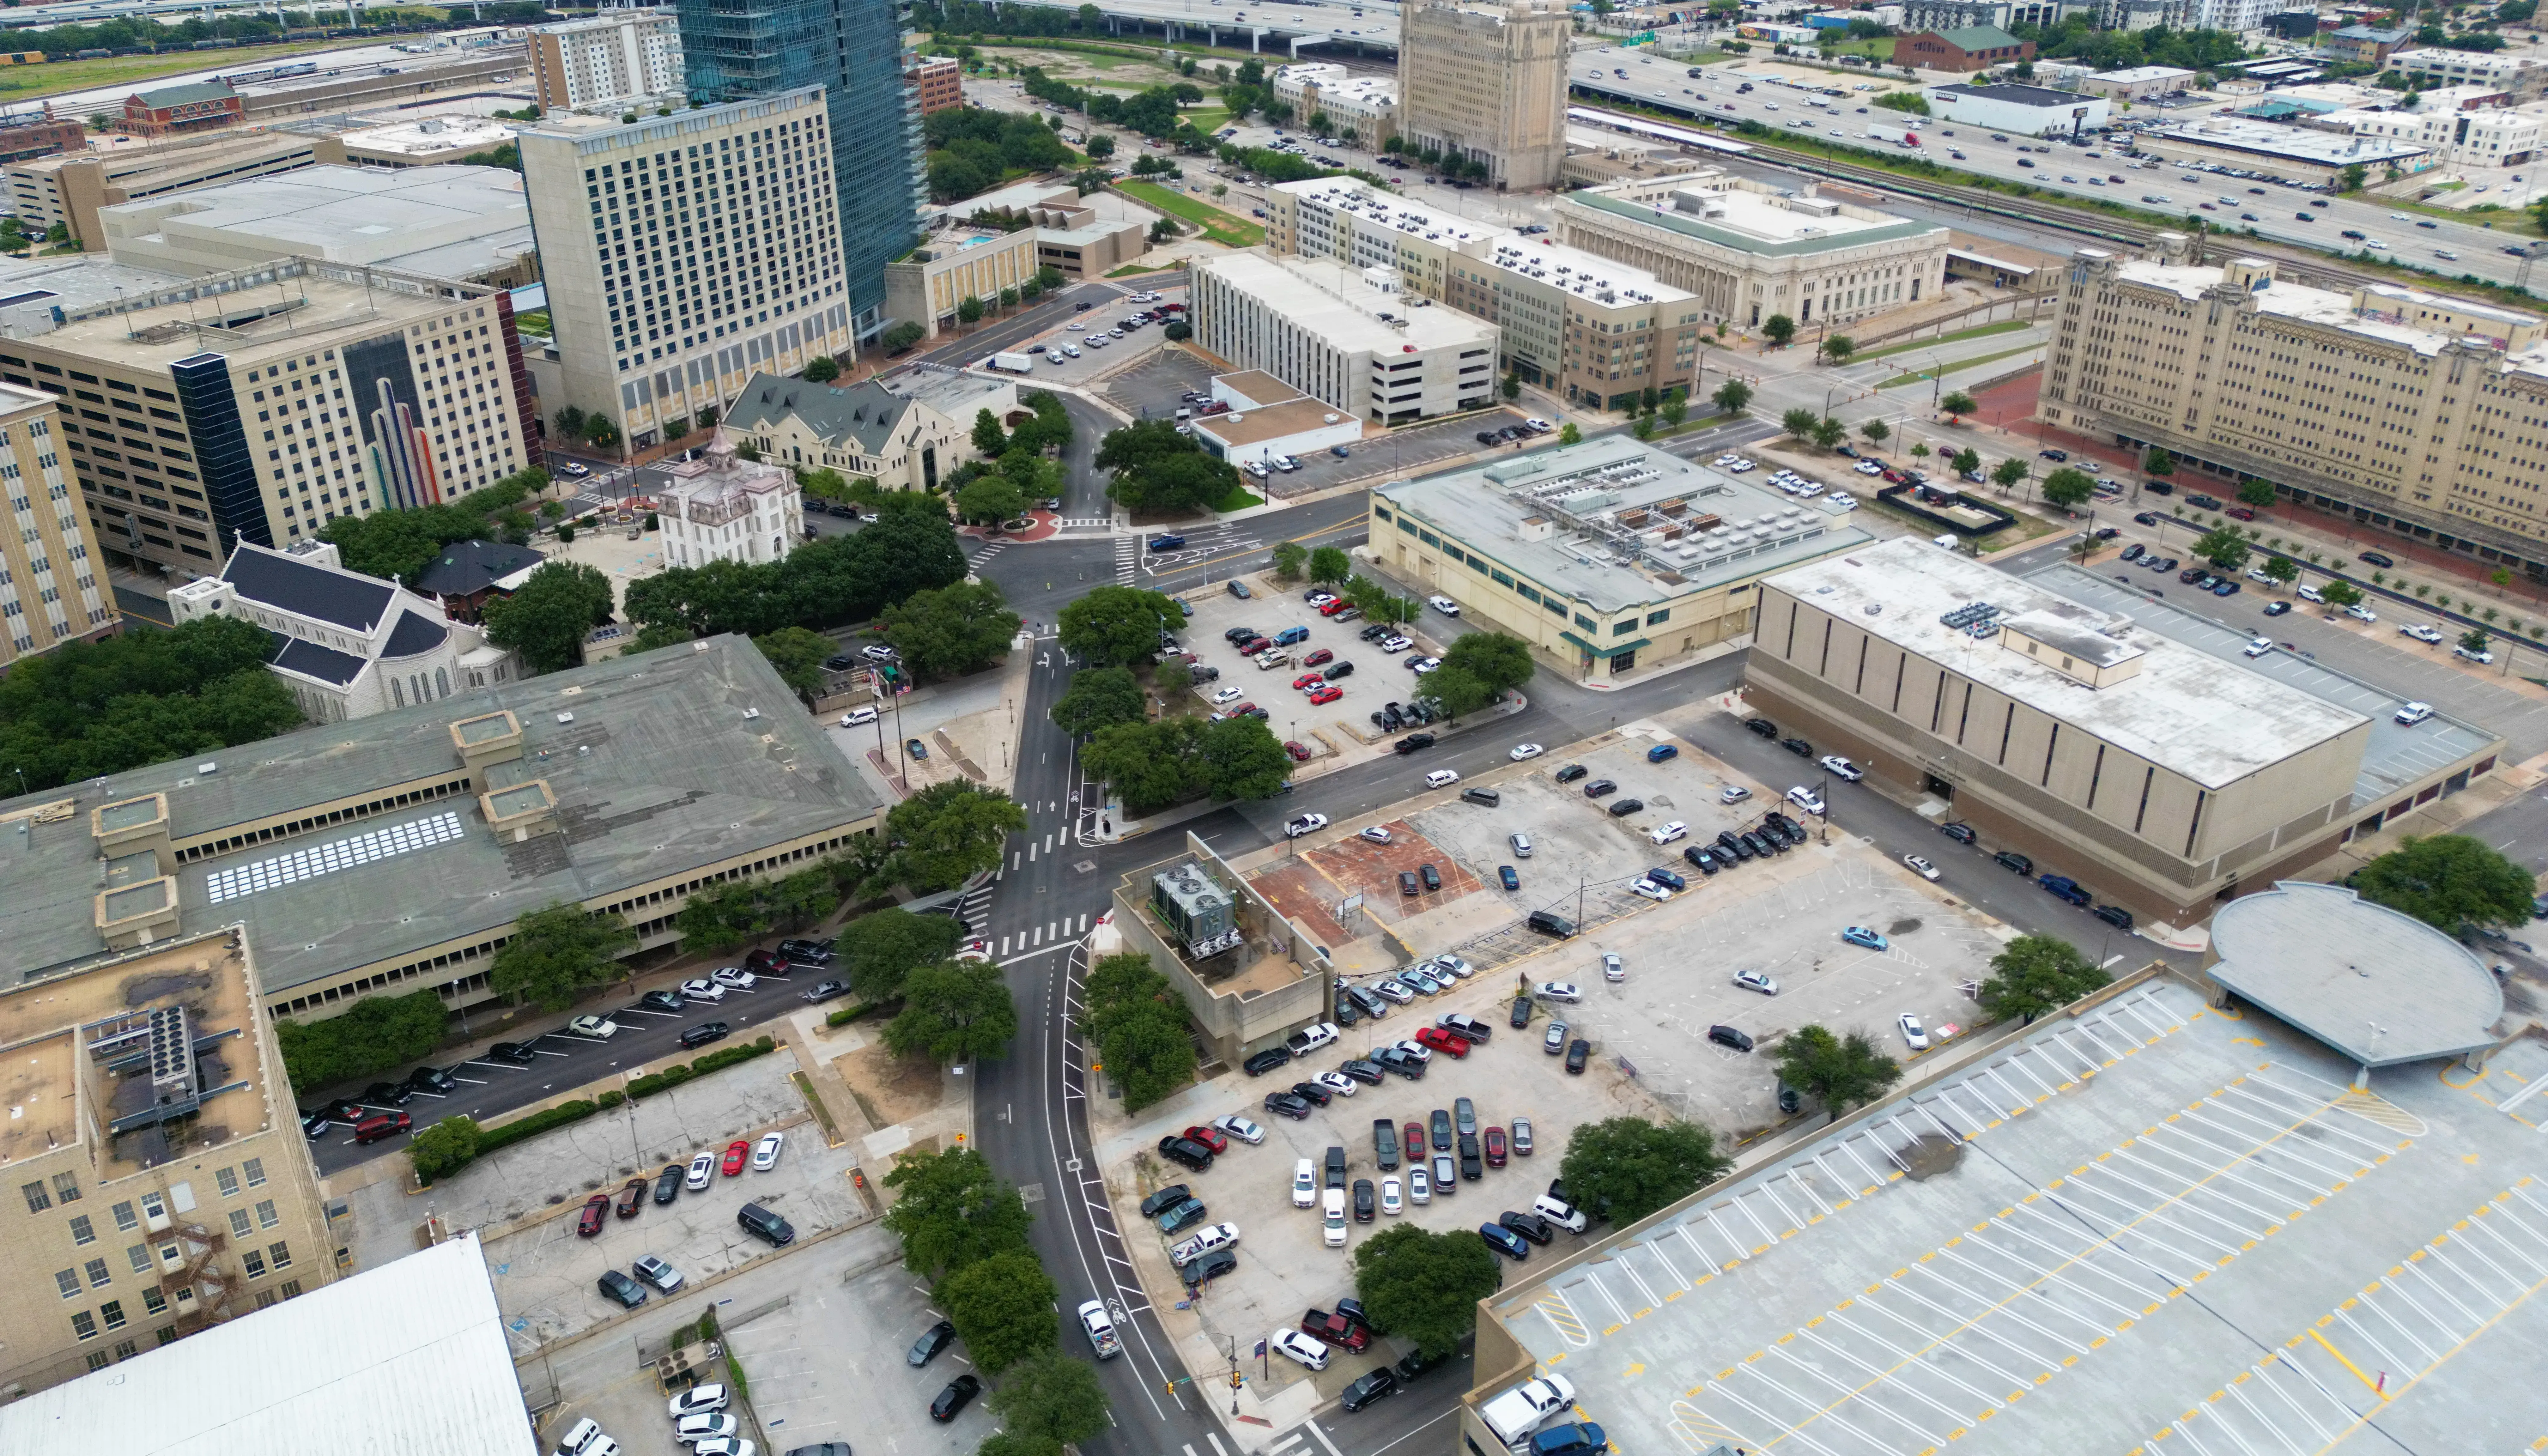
column 1663, row 834
column 1320, row 599
column 1868, row 467
column 1526, row 751
column 1441, row 778
column 692, row 1429
column 1227, row 695
column 1311, row 1038
column 1805, row 798
column 2420, row 632
column 696, row 1398
column 1396, row 644
column 734, row 977
column 765, row 1153
column 2361, row 613
column 2414, row 713
column 1841, row 498
column 1753, row 981
column 1561, row 990
column 1614, row 970
column 1537, row 427
column 700, row 988
column 1389, row 990
column 1207, row 1238
column 1913, row 1033
column 1305, row 824
column 1390, row 1203
column 1417, row 1049
column 2308, row 593
column 1650, row 891
column 1301, row 1348
column 1239, row 1128
column 1338, row 1083
column 1444, row 604
column 1740, row 466
column 1419, row 1186
column 1331, row 1218
column 1733, row 793
column 857, row 717
column 598, row 1027
column 703, row 1169
column 1375, row 834
column 1920, row 867
column 1423, row 665
column 1842, row 766
column 1305, row 1184
column 2259, row 647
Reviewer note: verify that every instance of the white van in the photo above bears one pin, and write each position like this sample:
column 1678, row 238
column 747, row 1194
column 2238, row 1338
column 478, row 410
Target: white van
column 1441, row 778
column 1560, row 1212
column 856, row 716
column 1333, row 1211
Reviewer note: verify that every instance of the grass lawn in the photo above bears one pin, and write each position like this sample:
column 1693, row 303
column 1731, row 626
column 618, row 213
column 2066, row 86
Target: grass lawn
column 1222, row 228
column 28, row 82
column 1688, row 427
column 1951, row 365
column 1129, row 269
column 2502, row 218
column 1985, row 330
column 1238, row 498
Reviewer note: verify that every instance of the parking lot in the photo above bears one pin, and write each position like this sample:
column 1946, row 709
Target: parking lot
column 1329, row 730
column 829, row 1366
column 1284, row 1265
column 1159, row 384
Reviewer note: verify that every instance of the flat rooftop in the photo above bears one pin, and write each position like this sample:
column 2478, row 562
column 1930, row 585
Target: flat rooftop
column 430, row 136
column 2385, row 312
column 2212, row 721
column 297, row 305
column 1329, row 299
column 1586, row 521
column 1270, row 421
column 1756, row 223
column 1387, row 209
column 2147, row 1229
column 658, row 769
column 1586, row 275
column 2041, row 98
column 2289, row 143
column 397, row 217
column 2395, row 756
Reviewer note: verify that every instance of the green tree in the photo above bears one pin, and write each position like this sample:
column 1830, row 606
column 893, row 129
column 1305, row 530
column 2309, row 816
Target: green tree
column 1291, row 559
column 1840, row 1071
column 2036, row 975
column 2283, row 570
column 723, row 916
column 952, row 1212
column 1100, row 698
column 1676, row 407
column 2450, row 882
column 444, row 1148
column 1800, row 422
column 2475, row 640
column 1966, row 460
column 899, row 338
column 823, row 370
column 91, row 710
column 969, row 310
column 990, row 498
column 2158, row 462
column 2340, row 595
column 1829, row 432
column 1839, row 347
column 1958, row 405
column 2225, row 548
column 798, row 655
column 1732, row 396
column 1172, row 678
column 1148, row 765
column 557, row 951
column 1512, row 384
column 373, row 1035
column 1455, row 692
column 2256, row 493
column 1500, row 661
column 1424, row 1286
column 2008, row 473
column 1644, row 428
column 2068, row 488
column 1625, row 1169
column 1241, row 759
column 1568, row 434
column 546, row 620
column 1118, row 625
column 1138, row 1024
column 1002, row 1308
column 1779, row 330
column 950, row 832
column 878, row 949
column 1876, row 433
column 1329, row 565
column 1050, row 1398
column 950, row 631
column 990, row 441
column 956, row 1011
column 2351, row 179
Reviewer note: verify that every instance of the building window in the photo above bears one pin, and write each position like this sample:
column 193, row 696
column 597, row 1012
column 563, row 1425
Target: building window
column 255, row 1170
column 138, row 1256
column 67, row 1281
column 113, row 1309
column 166, row 1334
column 126, row 1349
column 240, row 1228
column 97, row 1360
column 1658, row 618
column 123, row 1217
column 1622, row 629
column 152, row 1303
column 281, row 1253
column 266, row 1218
column 1586, row 624
column 98, row 1276
column 66, row 1188
column 37, row 1200
column 84, row 1325
column 290, row 1288
column 227, row 1179
column 82, row 1232
column 254, row 1263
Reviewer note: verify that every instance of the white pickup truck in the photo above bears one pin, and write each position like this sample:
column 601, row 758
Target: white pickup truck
column 1101, row 1330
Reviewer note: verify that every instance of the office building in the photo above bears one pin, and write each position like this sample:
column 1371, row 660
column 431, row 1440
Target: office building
column 719, row 506
column 1487, row 83
column 68, row 189
column 739, row 48
column 957, row 263
column 1955, row 15
column 50, row 587
column 2293, row 153
column 2137, row 82
column 397, row 859
column 472, row 223
column 2031, row 111
column 260, row 404
column 201, row 105
column 1269, row 420
column 614, row 59
column 2460, row 125
column 685, row 253
column 1965, row 48
column 2522, row 77
column 1345, row 335
column 347, row 645
column 877, row 429
column 2132, row 749
column 2411, row 412
column 31, row 135
column 1360, row 106
column 165, row 1183
column 936, row 83
column 1606, row 555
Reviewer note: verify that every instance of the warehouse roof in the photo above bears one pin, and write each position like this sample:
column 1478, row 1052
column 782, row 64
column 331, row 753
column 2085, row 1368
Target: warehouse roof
column 408, row 1359
column 1979, row 38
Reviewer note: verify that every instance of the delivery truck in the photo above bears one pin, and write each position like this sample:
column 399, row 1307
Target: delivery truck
column 1012, row 363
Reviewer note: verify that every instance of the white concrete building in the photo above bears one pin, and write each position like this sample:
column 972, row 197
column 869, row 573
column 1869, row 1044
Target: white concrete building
column 349, row 645
column 1364, row 105
column 2034, row 111
column 2524, row 77
column 1346, row 335
column 1269, row 419
column 617, row 56
column 2137, row 82
column 722, row 507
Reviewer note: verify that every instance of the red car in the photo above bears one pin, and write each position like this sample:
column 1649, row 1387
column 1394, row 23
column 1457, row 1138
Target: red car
column 1212, row 1138
column 1495, row 1148
column 1318, row 658
column 1309, row 679
column 595, row 1210
column 1442, row 1040
column 1414, row 1144
column 2239, row 513
column 1325, row 695
column 735, row 1153
column 1331, row 609
column 1244, row 707
column 1299, row 751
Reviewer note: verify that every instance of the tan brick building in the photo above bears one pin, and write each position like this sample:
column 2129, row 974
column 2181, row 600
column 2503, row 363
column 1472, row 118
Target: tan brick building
column 1487, row 82
column 51, row 592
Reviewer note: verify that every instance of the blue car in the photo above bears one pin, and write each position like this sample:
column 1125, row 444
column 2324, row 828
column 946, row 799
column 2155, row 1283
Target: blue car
column 1504, row 872
column 1859, row 935
column 1661, row 751
column 1581, row 1439
column 1501, row 1239
column 1169, row 542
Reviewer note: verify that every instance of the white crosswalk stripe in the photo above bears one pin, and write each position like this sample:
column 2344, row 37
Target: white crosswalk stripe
column 1128, row 555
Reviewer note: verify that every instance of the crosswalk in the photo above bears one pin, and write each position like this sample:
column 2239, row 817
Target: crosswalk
column 1291, row 1443
column 1128, row 555
column 987, row 552
column 1043, row 937
column 1084, row 522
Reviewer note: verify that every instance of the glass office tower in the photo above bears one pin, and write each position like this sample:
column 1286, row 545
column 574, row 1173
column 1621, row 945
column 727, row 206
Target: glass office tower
column 853, row 49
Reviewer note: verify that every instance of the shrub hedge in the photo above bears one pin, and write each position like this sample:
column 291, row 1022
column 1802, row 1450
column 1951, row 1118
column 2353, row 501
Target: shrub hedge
column 675, row 1074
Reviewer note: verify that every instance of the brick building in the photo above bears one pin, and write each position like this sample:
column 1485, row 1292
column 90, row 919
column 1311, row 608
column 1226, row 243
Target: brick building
column 1969, row 49
column 936, row 83
column 201, row 107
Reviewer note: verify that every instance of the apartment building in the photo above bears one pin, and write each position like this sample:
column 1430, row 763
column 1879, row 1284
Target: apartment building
column 164, row 1186
column 49, row 592
column 1366, row 106
column 936, row 83
column 1345, row 335
column 2418, row 414
column 31, row 135
column 68, row 189
column 685, row 253
column 926, row 286
column 2459, row 125
column 1487, row 82
column 615, row 57
column 722, row 507
column 2524, row 77
column 260, row 405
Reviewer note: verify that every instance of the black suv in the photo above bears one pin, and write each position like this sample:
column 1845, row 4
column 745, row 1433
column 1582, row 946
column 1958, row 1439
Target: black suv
column 1369, row 1388
column 1797, row 746
column 1571, row 773
column 763, row 1225
column 1166, row 1199
column 431, row 1079
column 1762, row 726
column 668, row 1184
column 1599, row 787
column 387, row 1094
column 1724, row 1036
column 1413, row 741
column 1185, row 1152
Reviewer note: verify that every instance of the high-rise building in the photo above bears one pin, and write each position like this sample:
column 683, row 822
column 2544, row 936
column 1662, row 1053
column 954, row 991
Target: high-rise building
column 258, row 406
column 615, row 56
column 49, row 593
column 685, row 253
column 1487, row 82
column 760, row 48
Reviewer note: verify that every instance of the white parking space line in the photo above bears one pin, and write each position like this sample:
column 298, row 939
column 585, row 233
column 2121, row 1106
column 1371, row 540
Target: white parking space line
column 1312, row 1427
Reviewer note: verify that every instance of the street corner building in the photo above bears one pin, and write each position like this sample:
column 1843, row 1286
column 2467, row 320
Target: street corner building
column 1606, row 555
column 1487, row 82
column 2125, row 745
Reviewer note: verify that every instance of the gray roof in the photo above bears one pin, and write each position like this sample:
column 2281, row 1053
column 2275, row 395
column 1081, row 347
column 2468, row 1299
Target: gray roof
column 2377, row 986
column 180, row 95
column 659, row 771
column 348, row 600
column 1742, row 241
column 863, row 413
column 2041, row 96
column 310, row 660
column 414, row 633
column 468, row 567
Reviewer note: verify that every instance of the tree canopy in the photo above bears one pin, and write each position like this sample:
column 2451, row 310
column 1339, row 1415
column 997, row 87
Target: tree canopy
column 952, row 630
column 1051, row 1400
column 557, row 951
column 1119, row 625
column 373, row 1035
column 1158, row 469
column 2035, row 975
column 1625, row 1169
column 1138, row 1024
column 821, row 583
column 546, row 620
column 948, row 833
column 1425, row 1286
column 1841, row 1072
column 2066, row 487
column 738, row 912
column 951, row 1211
column 90, row 709
column 1002, row 1308
column 956, row 1011
column 1100, row 697
column 2225, row 547
column 797, row 654
column 2449, row 881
